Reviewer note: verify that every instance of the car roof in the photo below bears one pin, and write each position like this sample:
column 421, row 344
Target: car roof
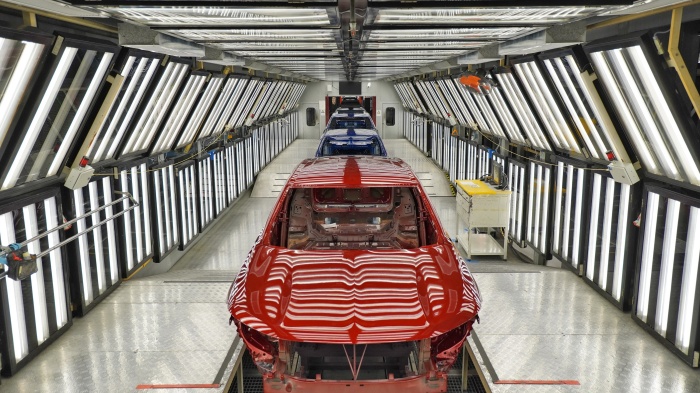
column 338, row 132
column 352, row 172
column 350, row 114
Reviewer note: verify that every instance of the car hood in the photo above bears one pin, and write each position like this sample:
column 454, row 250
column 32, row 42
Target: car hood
column 354, row 296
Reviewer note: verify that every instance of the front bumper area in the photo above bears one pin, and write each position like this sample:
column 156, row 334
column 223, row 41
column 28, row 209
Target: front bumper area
column 419, row 384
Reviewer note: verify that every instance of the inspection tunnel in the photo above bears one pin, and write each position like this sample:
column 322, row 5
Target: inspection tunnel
column 353, row 195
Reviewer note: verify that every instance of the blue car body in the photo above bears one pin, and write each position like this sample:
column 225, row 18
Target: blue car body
column 351, row 142
column 350, row 119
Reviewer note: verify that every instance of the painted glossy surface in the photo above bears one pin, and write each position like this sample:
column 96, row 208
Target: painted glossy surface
column 354, row 296
column 352, row 172
column 352, row 137
column 349, row 115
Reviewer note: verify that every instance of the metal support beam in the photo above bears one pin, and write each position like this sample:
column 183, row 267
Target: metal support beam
column 494, row 3
column 675, row 58
column 204, row 3
column 62, row 18
column 631, row 17
column 28, row 19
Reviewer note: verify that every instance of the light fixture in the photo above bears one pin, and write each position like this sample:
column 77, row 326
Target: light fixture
column 111, row 232
column 95, row 82
column 57, row 274
column 20, row 74
column 578, row 215
column 97, row 238
column 83, row 248
column 668, row 254
column 632, row 75
column 546, row 106
column 202, row 108
column 649, row 241
column 156, row 108
column 557, row 205
column 620, row 244
column 180, row 112
column 522, row 110
column 136, row 81
column 688, row 295
column 607, row 229
column 39, row 117
column 41, row 322
column 18, row 327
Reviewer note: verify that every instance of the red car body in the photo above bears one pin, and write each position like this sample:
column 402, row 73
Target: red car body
column 354, row 284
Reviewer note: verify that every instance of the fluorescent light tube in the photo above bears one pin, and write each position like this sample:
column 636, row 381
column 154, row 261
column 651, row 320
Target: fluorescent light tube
column 647, row 255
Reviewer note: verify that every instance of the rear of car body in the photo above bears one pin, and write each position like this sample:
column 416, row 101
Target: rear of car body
column 354, row 284
column 350, row 142
column 350, row 119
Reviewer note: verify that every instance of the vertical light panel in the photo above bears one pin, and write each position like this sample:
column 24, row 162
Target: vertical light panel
column 148, row 242
column 538, row 203
column 83, row 248
column 57, row 274
column 545, row 210
column 136, row 192
column 111, row 232
column 557, row 205
column 18, row 325
column 530, row 204
column 41, row 322
column 170, row 198
column 595, row 214
column 620, row 254
column 128, row 232
column 607, row 229
column 578, row 217
column 97, row 236
column 567, row 215
column 688, row 298
column 159, row 212
column 647, row 255
column 184, row 216
column 668, row 254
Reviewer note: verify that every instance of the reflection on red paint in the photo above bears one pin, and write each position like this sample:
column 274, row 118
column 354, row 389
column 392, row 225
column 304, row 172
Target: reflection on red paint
column 354, row 280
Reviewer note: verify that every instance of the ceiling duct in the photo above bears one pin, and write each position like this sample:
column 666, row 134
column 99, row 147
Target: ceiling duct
column 216, row 56
column 255, row 65
column 551, row 38
column 143, row 38
column 445, row 64
column 485, row 54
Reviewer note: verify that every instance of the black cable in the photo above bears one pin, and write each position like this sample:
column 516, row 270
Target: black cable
column 520, row 255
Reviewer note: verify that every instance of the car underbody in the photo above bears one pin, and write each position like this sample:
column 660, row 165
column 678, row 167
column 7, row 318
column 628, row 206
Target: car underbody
column 291, row 366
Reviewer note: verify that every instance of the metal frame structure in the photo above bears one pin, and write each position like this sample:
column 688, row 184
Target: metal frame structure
column 670, row 223
column 29, row 324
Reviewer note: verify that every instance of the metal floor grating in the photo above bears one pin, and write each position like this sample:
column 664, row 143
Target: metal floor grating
column 252, row 382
